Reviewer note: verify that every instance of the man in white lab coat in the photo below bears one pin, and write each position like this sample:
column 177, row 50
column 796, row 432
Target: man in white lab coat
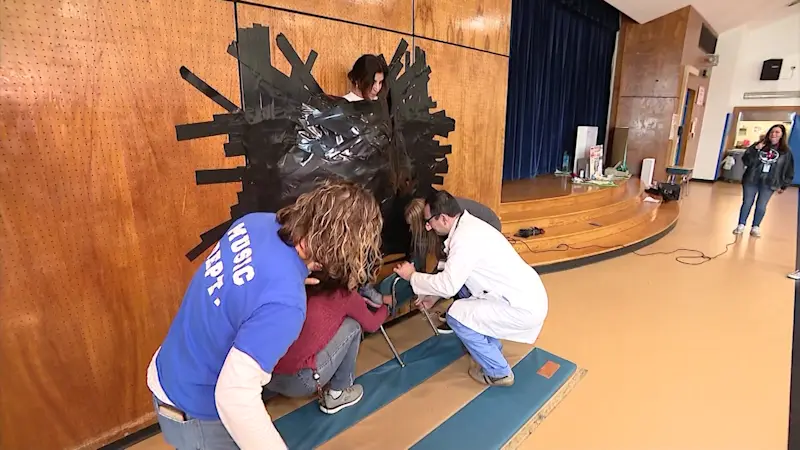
column 507, row 299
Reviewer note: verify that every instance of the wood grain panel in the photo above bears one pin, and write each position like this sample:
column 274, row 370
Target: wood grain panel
column 649, row 121
column 99, row 204
column 694, row 56
column 481, row 24
column 391, row 14
column 652, row 56
column 471, row 86
column 338, row 44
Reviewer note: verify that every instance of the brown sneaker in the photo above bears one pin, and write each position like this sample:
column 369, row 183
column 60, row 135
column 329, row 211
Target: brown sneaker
column 477, row 374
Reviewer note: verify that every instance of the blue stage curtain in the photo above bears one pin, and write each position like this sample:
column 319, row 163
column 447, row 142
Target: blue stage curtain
column 560, row 67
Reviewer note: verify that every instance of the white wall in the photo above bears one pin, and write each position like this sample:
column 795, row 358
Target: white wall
column 742, row 52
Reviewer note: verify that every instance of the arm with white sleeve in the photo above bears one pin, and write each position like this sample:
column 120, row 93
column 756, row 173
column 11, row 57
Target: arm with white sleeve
column 261, row 341
column 462, row 258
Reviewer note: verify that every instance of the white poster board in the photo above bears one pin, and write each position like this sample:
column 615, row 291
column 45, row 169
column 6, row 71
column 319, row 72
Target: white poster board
column 587, row 137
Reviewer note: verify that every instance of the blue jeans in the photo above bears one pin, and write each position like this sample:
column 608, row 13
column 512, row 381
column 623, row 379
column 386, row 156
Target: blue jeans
column 194, row 434
column 485, row 350
column 758, row 193
column 336, row 364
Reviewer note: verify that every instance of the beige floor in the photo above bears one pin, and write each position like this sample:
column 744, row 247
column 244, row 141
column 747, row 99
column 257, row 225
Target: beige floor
column 679, row 357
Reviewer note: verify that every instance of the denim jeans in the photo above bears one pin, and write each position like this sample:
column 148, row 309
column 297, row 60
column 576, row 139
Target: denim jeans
column 485, row 350
column 194, row 434
column 336, row 364
column 758, row 193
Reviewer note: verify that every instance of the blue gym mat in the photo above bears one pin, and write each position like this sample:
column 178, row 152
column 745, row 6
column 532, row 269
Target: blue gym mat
column 307, row 427
column 495, row 416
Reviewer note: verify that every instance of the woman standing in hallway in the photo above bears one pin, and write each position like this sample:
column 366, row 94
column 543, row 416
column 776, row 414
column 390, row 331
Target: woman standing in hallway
column 366, row 78
column 770, row 168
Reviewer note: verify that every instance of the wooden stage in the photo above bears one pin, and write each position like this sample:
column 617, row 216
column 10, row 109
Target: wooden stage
column 582, row 223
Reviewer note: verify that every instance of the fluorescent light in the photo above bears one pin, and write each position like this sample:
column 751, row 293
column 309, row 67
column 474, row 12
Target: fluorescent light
column 775, row 94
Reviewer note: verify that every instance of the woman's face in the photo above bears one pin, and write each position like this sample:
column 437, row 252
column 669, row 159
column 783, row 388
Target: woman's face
column 775, row 135
column 376, row 86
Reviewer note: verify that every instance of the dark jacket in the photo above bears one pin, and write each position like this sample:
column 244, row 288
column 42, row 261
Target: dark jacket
column 780, row 173
column 480, row 211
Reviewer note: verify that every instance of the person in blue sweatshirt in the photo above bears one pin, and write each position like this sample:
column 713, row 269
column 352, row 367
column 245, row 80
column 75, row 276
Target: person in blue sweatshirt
column 245, row 306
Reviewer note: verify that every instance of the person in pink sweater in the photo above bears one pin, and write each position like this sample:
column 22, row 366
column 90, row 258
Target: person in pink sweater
column 327, row 349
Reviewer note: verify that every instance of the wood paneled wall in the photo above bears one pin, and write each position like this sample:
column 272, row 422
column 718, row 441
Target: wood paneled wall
column 99, row 204
column 394, row 15
column 472, row 87
column 651, row 84
column 483, row 24
column 98, row 201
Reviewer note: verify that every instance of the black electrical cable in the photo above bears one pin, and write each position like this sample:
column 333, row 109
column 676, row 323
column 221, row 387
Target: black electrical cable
column 681, row 259
column 700, row 255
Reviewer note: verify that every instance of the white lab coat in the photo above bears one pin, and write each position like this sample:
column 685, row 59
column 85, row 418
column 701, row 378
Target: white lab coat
column 508, row 299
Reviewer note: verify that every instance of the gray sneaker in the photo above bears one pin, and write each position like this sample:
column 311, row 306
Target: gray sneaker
column 478, row 375
column 794, row 275
column 349, row 397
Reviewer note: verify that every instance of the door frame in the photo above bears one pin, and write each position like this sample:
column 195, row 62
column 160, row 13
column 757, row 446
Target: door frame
column 685, row 127
column 730, row 135
column 688, row 71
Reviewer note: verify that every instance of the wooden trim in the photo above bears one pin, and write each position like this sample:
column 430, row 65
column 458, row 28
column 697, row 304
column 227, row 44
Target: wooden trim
column 615, row 88
column 688, row 71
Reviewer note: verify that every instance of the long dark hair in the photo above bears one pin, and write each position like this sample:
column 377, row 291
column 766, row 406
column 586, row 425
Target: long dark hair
column 783, row 146
column 363, row 74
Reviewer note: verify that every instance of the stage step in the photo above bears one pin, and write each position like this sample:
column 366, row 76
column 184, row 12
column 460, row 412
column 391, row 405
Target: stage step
column 628, row 196
column 581, row 222
column 569, row 199
column 596, row 228
column 653, row 221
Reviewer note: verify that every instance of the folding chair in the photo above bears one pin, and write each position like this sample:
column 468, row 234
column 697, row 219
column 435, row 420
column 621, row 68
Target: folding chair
column 402, row 293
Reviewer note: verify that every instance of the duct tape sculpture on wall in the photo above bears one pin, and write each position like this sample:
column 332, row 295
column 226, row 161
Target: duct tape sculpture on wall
column 293, row 135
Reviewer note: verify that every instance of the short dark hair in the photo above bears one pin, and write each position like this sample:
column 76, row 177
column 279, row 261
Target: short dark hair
column 363, row 74
column 442, row 202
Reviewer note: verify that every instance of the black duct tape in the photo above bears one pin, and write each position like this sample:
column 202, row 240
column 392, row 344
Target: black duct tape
column 294, row 135
column 234, row 147
column 209, row 92
column 208, row 239
column 215, row 176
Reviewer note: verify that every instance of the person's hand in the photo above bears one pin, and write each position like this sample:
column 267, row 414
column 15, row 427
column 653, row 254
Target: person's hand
column 426, row 301
column 760, row 145
column 405, row 270
column 313, row 267
column 387, row 300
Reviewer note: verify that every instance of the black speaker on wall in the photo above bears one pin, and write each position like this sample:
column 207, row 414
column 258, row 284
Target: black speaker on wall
column 771, row 70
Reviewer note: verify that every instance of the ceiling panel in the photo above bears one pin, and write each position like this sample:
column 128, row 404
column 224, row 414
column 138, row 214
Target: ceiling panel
column 722, row 15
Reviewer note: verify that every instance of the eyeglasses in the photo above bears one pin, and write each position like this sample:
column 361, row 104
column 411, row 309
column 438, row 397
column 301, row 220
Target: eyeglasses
column 428, row 220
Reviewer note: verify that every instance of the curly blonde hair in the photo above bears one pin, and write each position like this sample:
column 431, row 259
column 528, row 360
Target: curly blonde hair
column 340, row 224
column 423, row 242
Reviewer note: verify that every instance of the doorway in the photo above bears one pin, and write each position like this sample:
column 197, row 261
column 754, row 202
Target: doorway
column 684, row 129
